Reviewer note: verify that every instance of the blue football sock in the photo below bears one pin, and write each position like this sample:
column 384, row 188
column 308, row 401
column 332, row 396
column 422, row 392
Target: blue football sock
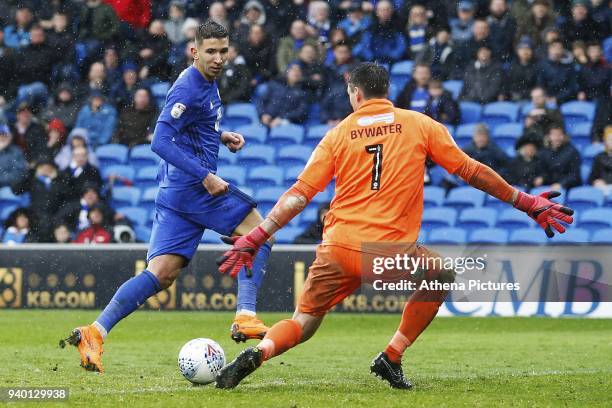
column 247, row 287
column 133, row 293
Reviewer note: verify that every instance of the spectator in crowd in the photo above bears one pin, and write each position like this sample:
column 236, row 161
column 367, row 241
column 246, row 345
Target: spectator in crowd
column 483, row 78
column 78, row 137
column 580, row 55
column 465, row 51
column 8, row 64
column 284, row 102
column 96, row 233
column 417, row 30
column 173, row 26
column 96, row 79
column 137, row 120
column 484, row 150
column 289, row 46
column 414, row 96
column 282, row 13
column 37, row 58
column 556, row 77
column 595, row 77
column 319, row 24
column 439, row 54
column 235, row 80
column 502, row 28
column 336, row 36
column 541, row 117
column 61, row 39
column 47, row 196
column 561, row 160
column 382, row 42
column 581, row 26
column 12, row 162
column 17, row 35
column 136, row 13
column 62, row 234
column 17, row 228
column 75, row 213
column 63, row 106
column 526, row 170
column 523, row 72
column 259, row 55
column 56, row 134
column 176, row 67
column 112, row 68
column 440, row 104
column 99, row 118
column 601, row 172
column 177, row 53
column 355, row 23
column 335, row 105
column 218, row 13
column 461, row 27
column 79, row 174
column 313, row 72
column 253, row 13
column 28, row 133
column 314, row 233
column 98, row 22
column 342, row 57
column 123, row 93
column 534, row 23
column 153, row 54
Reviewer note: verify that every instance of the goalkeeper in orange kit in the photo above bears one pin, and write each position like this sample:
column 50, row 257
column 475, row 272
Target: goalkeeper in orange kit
column 377, row 155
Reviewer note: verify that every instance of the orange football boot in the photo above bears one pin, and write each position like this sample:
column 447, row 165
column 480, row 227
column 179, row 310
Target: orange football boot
column 246, row 327
column 88, row 342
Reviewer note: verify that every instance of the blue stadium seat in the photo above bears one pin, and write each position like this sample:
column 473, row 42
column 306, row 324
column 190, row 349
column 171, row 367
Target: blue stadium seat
column 7, row 211
column 143, row 156
column 464, row 197
column 159, row 92
column 602, row 236
column 472, row 218
column 322, row 197
column 451, row 129
column 268, row 195
column 584, row 197
column 235, row 175
column 454, row 87
column 226, row 157
column 589, row 152
column 247, row 190
column 314, row 114
column 506, row 135
column 256, row 155
column 497, row 113
column 255, row 133
column 438, row 217
column 125, row 197
column 241, row 114
column 124, row 173
column 527, row 236
column 528, row 107
column 137, row 215
column 111, row 154
column 470, row 112
column 596, row 218
column 396, row 84
column 447, row 236
column 608, row 201
column 433, row 196
column 151, row 218
column 542, row 189
column 309, row 215
column 8, row 198
column 577, row 112
column 572, row 235
column 286, row 135
column 287, row 235
column 489, row 236
column 265, row 176
column 585, row 171
column 437, row 175
column 146, row 177
column 512, row 219
column 147, row 199
column 464, row 134
column 292, row 173
column 401, row 72
column 211, row 237
column 510, row 151
column 580, row 133
column 295, row 155
column 143, row 233
column 315, row 133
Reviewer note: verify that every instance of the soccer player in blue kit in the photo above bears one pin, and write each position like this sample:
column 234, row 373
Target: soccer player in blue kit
column 191, row 198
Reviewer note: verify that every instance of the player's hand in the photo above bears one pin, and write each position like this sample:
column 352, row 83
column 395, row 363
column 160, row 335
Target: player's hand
column 234, row 141
column 215, row 185
column 244, row 249
column 545, row 212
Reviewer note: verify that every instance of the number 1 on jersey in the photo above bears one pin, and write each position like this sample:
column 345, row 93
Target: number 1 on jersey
column 376, row 150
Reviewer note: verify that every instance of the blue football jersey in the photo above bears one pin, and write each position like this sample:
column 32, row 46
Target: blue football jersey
column 193, row 109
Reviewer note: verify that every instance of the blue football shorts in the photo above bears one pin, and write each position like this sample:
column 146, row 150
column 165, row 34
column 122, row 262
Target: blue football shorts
column 182, row 215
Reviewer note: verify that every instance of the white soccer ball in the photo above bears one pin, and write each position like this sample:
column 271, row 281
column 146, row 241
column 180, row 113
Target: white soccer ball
column 200, row 360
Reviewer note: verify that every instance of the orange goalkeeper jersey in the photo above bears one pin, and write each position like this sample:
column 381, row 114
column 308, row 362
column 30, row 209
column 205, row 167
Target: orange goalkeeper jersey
column 377, row 155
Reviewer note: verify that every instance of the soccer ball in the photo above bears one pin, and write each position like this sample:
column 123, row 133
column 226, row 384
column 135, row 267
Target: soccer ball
column 200, row 360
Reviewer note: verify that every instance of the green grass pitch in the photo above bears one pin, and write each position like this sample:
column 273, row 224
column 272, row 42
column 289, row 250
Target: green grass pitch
column 456, row 362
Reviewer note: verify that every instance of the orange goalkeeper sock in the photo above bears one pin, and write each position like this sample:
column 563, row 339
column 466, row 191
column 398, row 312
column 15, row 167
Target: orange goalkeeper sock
column 280, row 338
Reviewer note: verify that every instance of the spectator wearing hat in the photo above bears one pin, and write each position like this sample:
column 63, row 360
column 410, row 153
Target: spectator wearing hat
column 235, row 79
column 601, row 172
column 526, row 170
column 79, row 174
column 581, row 26
column 123, row 93
column 173, row 26
column 56, row 133
column 17, row 228
column 28, row 133
column 99, row 118
column 289, row 46
column 95, row 233
column 439, row 54
column 284, row 102
column 63, row 106
column 259, row 54
column 536, row 19
column 252, row 13
column 78, row 137
column 136, row 120
column 522, row 75
column 384, row 41
column 557, row 77
column 483, row 78
column 17, row 35
column 355, row 23
column 484, row 150
column 415, row 96
column 12, row 163
column 595, row 76
column 561, row 159
column 440, row 105
column 136, row 13
column 461, row 27
column 502, row 28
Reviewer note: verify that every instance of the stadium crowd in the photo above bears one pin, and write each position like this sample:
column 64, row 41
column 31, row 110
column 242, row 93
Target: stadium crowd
column 81, row 75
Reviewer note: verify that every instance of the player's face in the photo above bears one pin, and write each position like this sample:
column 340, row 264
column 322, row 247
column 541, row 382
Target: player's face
column 355, row 96
column 210, row 55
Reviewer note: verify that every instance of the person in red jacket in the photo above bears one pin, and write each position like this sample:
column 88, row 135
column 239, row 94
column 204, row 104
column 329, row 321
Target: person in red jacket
column 95, row 233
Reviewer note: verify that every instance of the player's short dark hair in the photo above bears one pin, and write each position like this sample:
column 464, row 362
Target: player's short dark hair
column 210, row 29
column 371, row 78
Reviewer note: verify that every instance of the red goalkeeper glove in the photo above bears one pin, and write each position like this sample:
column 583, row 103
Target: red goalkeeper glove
column 243, row 252
column 545, row 212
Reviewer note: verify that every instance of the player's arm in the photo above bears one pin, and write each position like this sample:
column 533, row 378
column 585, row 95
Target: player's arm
column 443, row 150
column 316, row 176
